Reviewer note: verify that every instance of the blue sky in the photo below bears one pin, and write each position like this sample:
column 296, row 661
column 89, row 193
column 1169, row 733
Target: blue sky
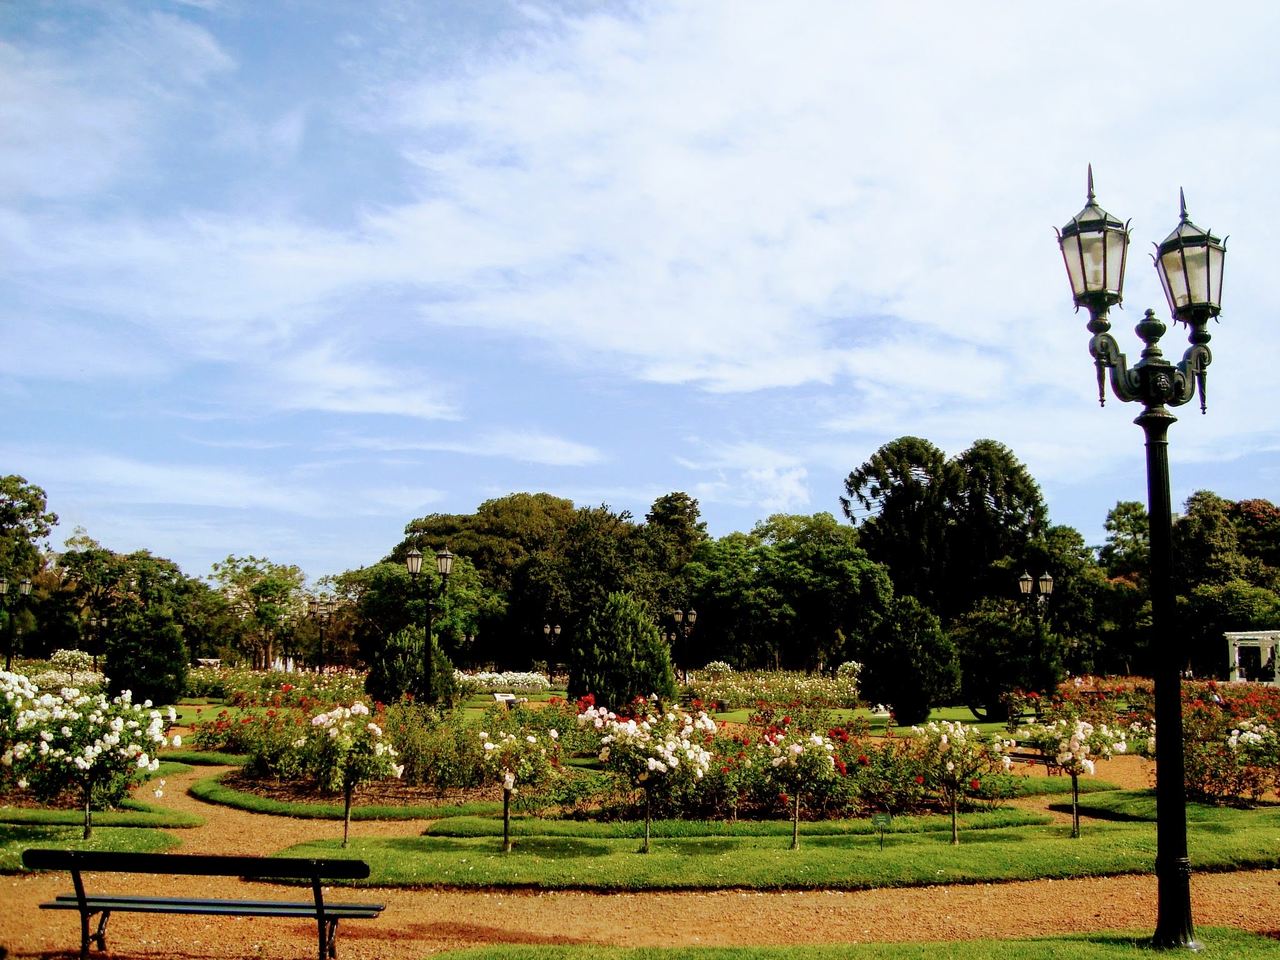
column 276, row 278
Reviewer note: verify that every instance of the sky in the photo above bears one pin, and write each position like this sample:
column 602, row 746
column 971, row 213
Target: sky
column 277, row 278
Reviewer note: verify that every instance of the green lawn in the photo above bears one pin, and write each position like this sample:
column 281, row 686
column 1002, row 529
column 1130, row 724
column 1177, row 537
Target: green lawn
column 1219, row 840
column 1218, row 942
column 213, row 790
column 14, row 838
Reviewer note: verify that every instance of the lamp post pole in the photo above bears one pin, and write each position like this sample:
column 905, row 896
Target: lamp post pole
column 685, row 619
column 1189, row 262
column 444, row 567
column 4, row 602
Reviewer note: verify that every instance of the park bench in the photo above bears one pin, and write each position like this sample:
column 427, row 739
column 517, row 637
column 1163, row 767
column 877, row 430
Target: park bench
column 509, row 700
column 80, row 862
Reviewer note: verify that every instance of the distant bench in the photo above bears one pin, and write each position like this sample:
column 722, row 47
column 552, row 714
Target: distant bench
column 326, row 915
column 509, row 700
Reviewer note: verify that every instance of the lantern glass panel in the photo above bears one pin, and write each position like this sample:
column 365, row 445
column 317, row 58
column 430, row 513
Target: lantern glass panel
column 1173, row 275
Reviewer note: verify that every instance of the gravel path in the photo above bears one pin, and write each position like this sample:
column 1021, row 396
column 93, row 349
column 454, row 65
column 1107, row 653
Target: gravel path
column 420, row 922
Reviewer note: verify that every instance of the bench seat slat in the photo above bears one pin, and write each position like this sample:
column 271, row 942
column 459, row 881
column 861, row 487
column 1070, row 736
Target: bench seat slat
column 305, row 911
column 135, row 904
column 195, row 865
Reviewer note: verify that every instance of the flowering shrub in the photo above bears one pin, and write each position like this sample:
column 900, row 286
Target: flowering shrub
column 739, row 690
column 665, row 753
column 796, row 763
column 715, row 670
column 437, row 748
column 227, row 733
column 886, row 774
column 274, row 741
column 519, row 757
column 511, row 681
column 276, row 688
column 346, row 749
column 16, row 691
column 85, row 742
column 1225, row 758
column 69, row 668
column 1073, row 746
column 955, row 758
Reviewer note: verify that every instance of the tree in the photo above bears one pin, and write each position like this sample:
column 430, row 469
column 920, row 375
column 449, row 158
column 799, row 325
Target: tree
column 948, row 530
column 1003, row 649
column 1206, row 543
column 401, row 668
column 620, row 656
column 1127, row 553
column 145, row 655
column 996, row 510
column 263, row 595
column 832, row 594
column 25, row 521
column 899, row 499
column 910, row 663
column 1213, row 609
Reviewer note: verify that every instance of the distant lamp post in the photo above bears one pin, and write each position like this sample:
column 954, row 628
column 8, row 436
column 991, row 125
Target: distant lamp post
column 321, row 610
column 1189, row 262
column 685, row 620
column 444, row 567
column 98, row 625
column 1027, row 586
column 4, row 603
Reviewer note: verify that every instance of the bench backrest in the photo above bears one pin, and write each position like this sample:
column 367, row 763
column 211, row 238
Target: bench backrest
column 199, row 865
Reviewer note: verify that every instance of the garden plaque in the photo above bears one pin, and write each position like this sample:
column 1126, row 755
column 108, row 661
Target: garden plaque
column 881, row 822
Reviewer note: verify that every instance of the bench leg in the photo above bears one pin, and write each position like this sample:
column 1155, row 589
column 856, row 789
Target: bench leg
column 101, row 935
column 333, row 939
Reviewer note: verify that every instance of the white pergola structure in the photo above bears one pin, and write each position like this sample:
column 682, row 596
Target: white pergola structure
column 1266, row 642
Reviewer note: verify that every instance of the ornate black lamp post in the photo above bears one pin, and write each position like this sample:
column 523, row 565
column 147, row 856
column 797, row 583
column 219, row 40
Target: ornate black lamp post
column 24, row 590
column 1027, row 587
column 444, row 567
column 321, row 611
column 685, row 620
column 1189, row 261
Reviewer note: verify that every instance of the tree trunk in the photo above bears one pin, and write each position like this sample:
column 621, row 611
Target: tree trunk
column 795, row 823
column 1075, row 806
column 506, row 820
column 346, row 811
column 88, row 812
column 645, row 848
column 955, row 805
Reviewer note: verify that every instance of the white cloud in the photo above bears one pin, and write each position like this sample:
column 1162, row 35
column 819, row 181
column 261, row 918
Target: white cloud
column 529, row 446
column 752, row 474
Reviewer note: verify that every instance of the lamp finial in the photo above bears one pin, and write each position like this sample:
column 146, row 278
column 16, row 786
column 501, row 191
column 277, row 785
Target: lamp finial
column 1091, row 183
column 1182, row 203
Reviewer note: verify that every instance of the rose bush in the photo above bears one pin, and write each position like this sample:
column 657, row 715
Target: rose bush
column 87, row 743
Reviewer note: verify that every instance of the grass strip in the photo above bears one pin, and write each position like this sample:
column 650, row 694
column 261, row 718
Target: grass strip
column 633, row 829
column 131, row 813
column 1218, row 942
column 213, row 790
column 14, row 838
column 206, row 758
column 1234, row 840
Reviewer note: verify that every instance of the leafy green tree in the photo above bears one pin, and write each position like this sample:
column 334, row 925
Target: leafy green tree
column 832, row 595
column 1127, row 553
column 899, row 501
column 1213, row 609
column 948, row 530
column 620, row 656
column 1206, row 543
column 263, row 596
column 996, row 511
column 1002, row 648
column 145, row 655
column 400, row 668
column 738, row 612
column 910, row 663
column 25, row 521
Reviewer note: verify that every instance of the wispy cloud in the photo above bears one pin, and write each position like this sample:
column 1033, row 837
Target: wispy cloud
column 532, row 446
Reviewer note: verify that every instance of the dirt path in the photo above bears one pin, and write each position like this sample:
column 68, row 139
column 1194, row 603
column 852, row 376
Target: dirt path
column 420, row 922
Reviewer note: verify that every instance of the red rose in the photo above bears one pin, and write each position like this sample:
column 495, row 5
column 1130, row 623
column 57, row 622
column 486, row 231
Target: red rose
column 919, row 779
column 974, row 784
